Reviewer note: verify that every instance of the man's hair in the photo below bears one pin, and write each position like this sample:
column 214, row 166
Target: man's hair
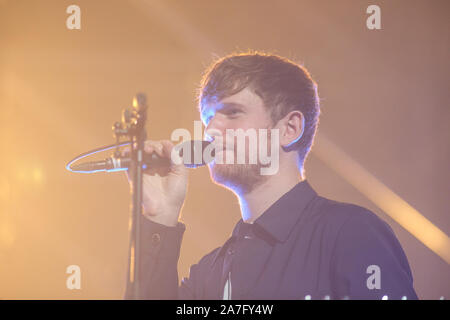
column 283, row 86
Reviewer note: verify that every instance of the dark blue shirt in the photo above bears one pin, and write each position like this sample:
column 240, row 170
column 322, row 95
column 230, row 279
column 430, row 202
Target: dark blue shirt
column 303, row 246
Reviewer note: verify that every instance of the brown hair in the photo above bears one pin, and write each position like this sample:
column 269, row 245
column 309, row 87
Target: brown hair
column 283, row 86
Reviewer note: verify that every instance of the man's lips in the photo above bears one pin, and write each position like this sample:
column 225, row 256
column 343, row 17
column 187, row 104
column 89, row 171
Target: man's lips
column 220, row 146
column 221, row 155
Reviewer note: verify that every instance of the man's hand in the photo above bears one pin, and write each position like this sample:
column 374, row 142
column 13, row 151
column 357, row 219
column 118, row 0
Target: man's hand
column 164, row 189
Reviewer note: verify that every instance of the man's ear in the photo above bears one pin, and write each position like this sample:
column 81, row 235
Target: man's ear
column 291, row 128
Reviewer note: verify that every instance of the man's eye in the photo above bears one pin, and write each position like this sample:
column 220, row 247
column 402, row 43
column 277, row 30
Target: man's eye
column 233, row 112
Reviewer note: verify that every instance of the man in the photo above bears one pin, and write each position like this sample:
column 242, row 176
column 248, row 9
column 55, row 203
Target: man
column 290, row 243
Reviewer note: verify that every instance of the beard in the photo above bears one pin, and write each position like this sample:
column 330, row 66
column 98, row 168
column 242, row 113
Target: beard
column 241, row 178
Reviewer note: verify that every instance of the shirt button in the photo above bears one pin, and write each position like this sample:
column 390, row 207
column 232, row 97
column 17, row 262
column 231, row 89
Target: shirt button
column 156, row 238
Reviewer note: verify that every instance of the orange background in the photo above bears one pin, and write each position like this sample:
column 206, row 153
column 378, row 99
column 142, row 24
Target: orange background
column 385, row 102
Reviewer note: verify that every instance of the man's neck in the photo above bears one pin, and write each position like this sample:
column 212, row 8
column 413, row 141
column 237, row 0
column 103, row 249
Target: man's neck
column 259, row 199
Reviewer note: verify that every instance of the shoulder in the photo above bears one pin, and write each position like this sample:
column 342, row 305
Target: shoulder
column 364, row 245
column 355, row 230
column 344, row 217
column 360, row 235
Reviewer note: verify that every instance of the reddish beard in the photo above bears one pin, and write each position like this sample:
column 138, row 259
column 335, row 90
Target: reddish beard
column 239, row 177
column 242, row 178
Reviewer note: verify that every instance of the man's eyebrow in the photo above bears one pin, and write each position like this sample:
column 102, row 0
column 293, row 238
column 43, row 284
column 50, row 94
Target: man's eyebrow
column 226, row 105
column 232, row 104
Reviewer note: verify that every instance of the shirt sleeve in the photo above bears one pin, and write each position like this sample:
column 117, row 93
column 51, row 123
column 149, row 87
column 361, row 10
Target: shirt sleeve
column 159, row 254
column 369, row 262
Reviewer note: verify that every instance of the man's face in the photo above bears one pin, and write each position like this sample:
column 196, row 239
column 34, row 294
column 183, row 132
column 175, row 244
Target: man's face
column 244, row 110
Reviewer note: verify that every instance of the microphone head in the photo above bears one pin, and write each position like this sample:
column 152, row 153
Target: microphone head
column 94, row 166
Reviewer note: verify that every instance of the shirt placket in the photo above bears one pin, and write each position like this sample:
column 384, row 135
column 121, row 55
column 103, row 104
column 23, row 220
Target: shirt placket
column 226, row 271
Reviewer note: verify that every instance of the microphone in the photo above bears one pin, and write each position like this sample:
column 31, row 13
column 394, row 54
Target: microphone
column 191, row 153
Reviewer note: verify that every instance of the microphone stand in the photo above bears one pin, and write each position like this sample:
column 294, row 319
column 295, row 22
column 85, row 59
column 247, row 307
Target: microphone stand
column 133, row 127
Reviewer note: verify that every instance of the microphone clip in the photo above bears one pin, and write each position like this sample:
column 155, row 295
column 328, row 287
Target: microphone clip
column 132, row 124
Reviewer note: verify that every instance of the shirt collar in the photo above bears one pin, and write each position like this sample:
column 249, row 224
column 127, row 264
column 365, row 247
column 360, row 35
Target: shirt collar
column 281, row 217
column 278, row 221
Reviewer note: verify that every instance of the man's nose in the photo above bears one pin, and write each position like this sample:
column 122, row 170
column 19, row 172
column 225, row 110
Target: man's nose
column 213, row 130
column 211, row 134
